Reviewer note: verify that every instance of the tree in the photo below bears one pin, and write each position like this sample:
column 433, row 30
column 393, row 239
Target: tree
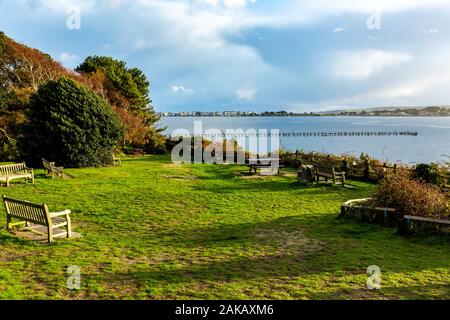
column 22, row 71
column 132, row 84
column 127, row 89
column 70, row 124
column 21, row 66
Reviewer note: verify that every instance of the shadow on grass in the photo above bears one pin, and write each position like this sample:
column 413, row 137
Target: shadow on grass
column 263, row 267
column 147, row 158
column 294, row 229
column 7, row 238
column 279, row 184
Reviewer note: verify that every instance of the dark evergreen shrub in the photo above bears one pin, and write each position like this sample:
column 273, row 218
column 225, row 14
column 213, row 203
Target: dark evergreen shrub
column 69, row 124
column 428, row 173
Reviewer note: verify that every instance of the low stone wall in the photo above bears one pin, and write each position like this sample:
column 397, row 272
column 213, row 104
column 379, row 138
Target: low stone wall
column 407, row 225
column 356, row 209
column 419, row 226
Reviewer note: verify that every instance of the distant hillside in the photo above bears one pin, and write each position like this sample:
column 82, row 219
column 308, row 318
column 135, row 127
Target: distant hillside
column 391, row 108
column 433, row 111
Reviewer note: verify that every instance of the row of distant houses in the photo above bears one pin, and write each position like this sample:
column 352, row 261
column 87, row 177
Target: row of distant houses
column 210, row 114
column 416, row 112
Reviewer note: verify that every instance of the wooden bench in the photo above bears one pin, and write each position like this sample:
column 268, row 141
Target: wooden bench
column 264, row 163
column 15, row 171
column 116, row 161
column 52, row 169
column 328, row 172
column 27, row 213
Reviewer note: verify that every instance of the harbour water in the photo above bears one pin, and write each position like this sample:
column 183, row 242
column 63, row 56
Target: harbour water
column 432, row 143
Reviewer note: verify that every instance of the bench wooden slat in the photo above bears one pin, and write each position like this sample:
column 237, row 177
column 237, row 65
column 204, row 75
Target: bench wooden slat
column 52, row 168
column 328, row 172
column 27, row 211
column 10, row 172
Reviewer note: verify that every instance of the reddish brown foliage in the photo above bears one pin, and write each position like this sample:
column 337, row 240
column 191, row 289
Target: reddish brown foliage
column 411, row 197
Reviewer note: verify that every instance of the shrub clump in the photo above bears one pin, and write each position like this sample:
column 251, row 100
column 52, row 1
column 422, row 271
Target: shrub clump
column 70, row 124
column 411, row 197
column 429, row 173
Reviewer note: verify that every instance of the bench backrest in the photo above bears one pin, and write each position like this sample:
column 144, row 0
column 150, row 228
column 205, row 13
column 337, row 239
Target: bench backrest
column 9, row 169
column 324, row 169
column 25, row 210
column 47, row 165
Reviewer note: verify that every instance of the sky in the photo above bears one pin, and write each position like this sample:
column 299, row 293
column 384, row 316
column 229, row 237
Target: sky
column 254, row 55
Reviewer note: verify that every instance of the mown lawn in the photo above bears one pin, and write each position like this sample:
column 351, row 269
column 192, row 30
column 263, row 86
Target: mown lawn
column 154, row 230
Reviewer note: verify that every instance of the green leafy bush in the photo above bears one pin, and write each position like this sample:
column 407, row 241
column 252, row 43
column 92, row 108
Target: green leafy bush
column 411, row 197
column 70, row 124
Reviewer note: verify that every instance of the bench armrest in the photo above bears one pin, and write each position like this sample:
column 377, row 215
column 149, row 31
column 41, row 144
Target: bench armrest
column 62, row 213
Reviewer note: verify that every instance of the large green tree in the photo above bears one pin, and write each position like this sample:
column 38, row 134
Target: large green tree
column 132, row 84
column 127, row 89
column 70, row 124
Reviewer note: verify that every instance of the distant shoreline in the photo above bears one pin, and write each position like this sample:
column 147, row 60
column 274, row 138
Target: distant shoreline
column 398, row 112
column 308, row 116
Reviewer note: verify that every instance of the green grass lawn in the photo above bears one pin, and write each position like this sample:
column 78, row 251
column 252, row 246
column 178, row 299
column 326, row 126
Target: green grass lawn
column 154, row 230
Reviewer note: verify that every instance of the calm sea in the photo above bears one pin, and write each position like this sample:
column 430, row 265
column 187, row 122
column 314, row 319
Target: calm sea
column 431, row 145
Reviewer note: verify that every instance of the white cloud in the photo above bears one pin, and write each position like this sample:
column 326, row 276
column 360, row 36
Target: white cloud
column 339, row 29
column 362, row 64
column 69, row 60
column 61, row 6
column 182, row 43
column 245, row 93
column 181, row 89
column 214, row 3
column 429, row 31
column 235, row 4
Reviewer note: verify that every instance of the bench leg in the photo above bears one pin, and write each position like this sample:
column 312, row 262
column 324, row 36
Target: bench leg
column 50, row 234
column 8, row 222
column 7, row 182
column 69, row 226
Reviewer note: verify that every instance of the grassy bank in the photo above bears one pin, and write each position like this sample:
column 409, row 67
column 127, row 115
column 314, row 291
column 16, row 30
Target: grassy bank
column 154, row 230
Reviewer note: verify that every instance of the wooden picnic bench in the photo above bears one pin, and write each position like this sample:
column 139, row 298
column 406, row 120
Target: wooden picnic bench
column 32, row 213
column 328, row 172
column 53, row 169
column 264, row 163
column 10, row 172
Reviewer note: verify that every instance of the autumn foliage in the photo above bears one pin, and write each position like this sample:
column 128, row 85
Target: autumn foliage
column 23, row 70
